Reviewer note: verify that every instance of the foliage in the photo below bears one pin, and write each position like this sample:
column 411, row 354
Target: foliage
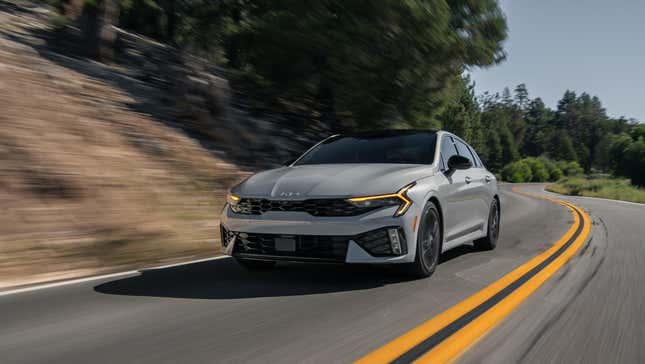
column 462, row 115
column 517, row 172
column 578, row 135
column 635, row 161
column 146, row 16
column 538, row 169
column 570, row 168
column 555, row 173
column 612, row 188
column 349, row 63
column 541, row 169
column 364, row 64
column 627, row 156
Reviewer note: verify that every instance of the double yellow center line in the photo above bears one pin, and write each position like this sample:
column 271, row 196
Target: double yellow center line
column 444, row 337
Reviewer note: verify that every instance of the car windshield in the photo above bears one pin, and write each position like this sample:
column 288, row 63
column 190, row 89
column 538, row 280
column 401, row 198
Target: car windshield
column 391, row 147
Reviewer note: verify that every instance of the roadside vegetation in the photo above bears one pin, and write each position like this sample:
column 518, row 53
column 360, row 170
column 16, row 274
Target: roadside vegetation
column 611, row 188
column 539, row 170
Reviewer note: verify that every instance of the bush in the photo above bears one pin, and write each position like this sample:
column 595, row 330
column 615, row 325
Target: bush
column 555, row 173
column 570, row 168
column 538, row 170
column 573, row 169
column 517, row 172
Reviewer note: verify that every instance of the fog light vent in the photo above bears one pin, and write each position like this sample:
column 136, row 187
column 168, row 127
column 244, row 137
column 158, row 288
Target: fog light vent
column 395, row 242
column 225, row 236
column 383, row 242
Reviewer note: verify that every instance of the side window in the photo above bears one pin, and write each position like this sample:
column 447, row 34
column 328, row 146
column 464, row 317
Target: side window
column 447, row 149
column 464, row 151
column 478, row 161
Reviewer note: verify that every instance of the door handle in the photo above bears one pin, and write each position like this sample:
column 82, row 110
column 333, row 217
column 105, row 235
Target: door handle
column 487, row 178
column 467, row 179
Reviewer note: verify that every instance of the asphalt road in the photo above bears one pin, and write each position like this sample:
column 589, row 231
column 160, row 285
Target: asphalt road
column 592, row 310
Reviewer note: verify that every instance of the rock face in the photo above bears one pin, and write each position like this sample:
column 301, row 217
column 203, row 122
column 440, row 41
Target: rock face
column 194, row 94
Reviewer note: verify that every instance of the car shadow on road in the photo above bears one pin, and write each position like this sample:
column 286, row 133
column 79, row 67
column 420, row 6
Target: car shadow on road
column 225, row 279
column 457, row 252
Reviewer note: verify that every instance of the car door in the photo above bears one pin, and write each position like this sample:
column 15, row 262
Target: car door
column 469, row 193
column 488, row 181
column 457, row 195
column 478, row 183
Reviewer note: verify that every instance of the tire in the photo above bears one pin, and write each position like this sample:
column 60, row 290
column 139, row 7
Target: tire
column 492, row 234
column 252, row 264
column 429, row 240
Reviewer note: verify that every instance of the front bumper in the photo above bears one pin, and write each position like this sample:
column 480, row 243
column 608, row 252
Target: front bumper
column 321, row 248
column 357, row 239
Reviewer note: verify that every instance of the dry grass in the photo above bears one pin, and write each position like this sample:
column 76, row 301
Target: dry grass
column 86, row 183
column 612, row 188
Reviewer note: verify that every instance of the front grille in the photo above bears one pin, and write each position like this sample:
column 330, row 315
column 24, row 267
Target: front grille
column 332, row 248
column 320, row 247
column 316, row 207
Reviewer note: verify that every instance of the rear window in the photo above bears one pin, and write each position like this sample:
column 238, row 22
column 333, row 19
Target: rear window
column 404, row 148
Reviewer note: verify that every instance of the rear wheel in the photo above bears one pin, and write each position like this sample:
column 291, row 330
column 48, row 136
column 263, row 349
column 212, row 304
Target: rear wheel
column 490, row 240
column 252, row 264
column 428, row 243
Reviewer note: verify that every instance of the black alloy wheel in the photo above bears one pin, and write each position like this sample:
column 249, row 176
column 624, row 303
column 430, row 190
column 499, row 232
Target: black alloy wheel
column 429, row 241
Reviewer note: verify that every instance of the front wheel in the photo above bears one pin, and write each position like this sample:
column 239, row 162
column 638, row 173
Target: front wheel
column 490, row 240
column 428, row 243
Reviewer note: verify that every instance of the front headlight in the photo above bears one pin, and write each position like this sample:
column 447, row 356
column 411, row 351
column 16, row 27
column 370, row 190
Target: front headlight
column 233, row 201
column 400, row 199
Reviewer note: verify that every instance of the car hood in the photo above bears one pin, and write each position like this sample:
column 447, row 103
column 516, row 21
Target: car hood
column 331, row 180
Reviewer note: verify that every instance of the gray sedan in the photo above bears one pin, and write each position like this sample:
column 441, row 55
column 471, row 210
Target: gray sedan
column 387, row 197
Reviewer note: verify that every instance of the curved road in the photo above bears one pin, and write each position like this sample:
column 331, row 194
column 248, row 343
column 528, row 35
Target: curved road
column 591, row 310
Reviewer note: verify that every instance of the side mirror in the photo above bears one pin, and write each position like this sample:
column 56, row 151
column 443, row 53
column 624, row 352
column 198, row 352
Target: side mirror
column 458, row 162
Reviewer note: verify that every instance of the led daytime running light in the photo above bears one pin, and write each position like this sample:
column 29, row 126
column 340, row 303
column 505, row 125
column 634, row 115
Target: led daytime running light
column 401, row 194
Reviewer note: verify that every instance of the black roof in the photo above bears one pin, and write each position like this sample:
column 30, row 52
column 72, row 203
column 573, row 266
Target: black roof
column 386, row 133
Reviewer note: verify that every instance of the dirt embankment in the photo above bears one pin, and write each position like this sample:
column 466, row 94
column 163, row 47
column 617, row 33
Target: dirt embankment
column 90, row 182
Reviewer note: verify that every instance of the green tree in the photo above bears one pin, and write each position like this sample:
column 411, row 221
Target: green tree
column 462, row 115
column 617, row 161
column 627, row 157
column 635, row 161
column 492, row 154
column 501, row 143
column 364, row 63
column 585, row 121
column 637, row 131
column 601, row 152
column 538, row 120
column 562, row 146
column 521, row 96
column 509, row 148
